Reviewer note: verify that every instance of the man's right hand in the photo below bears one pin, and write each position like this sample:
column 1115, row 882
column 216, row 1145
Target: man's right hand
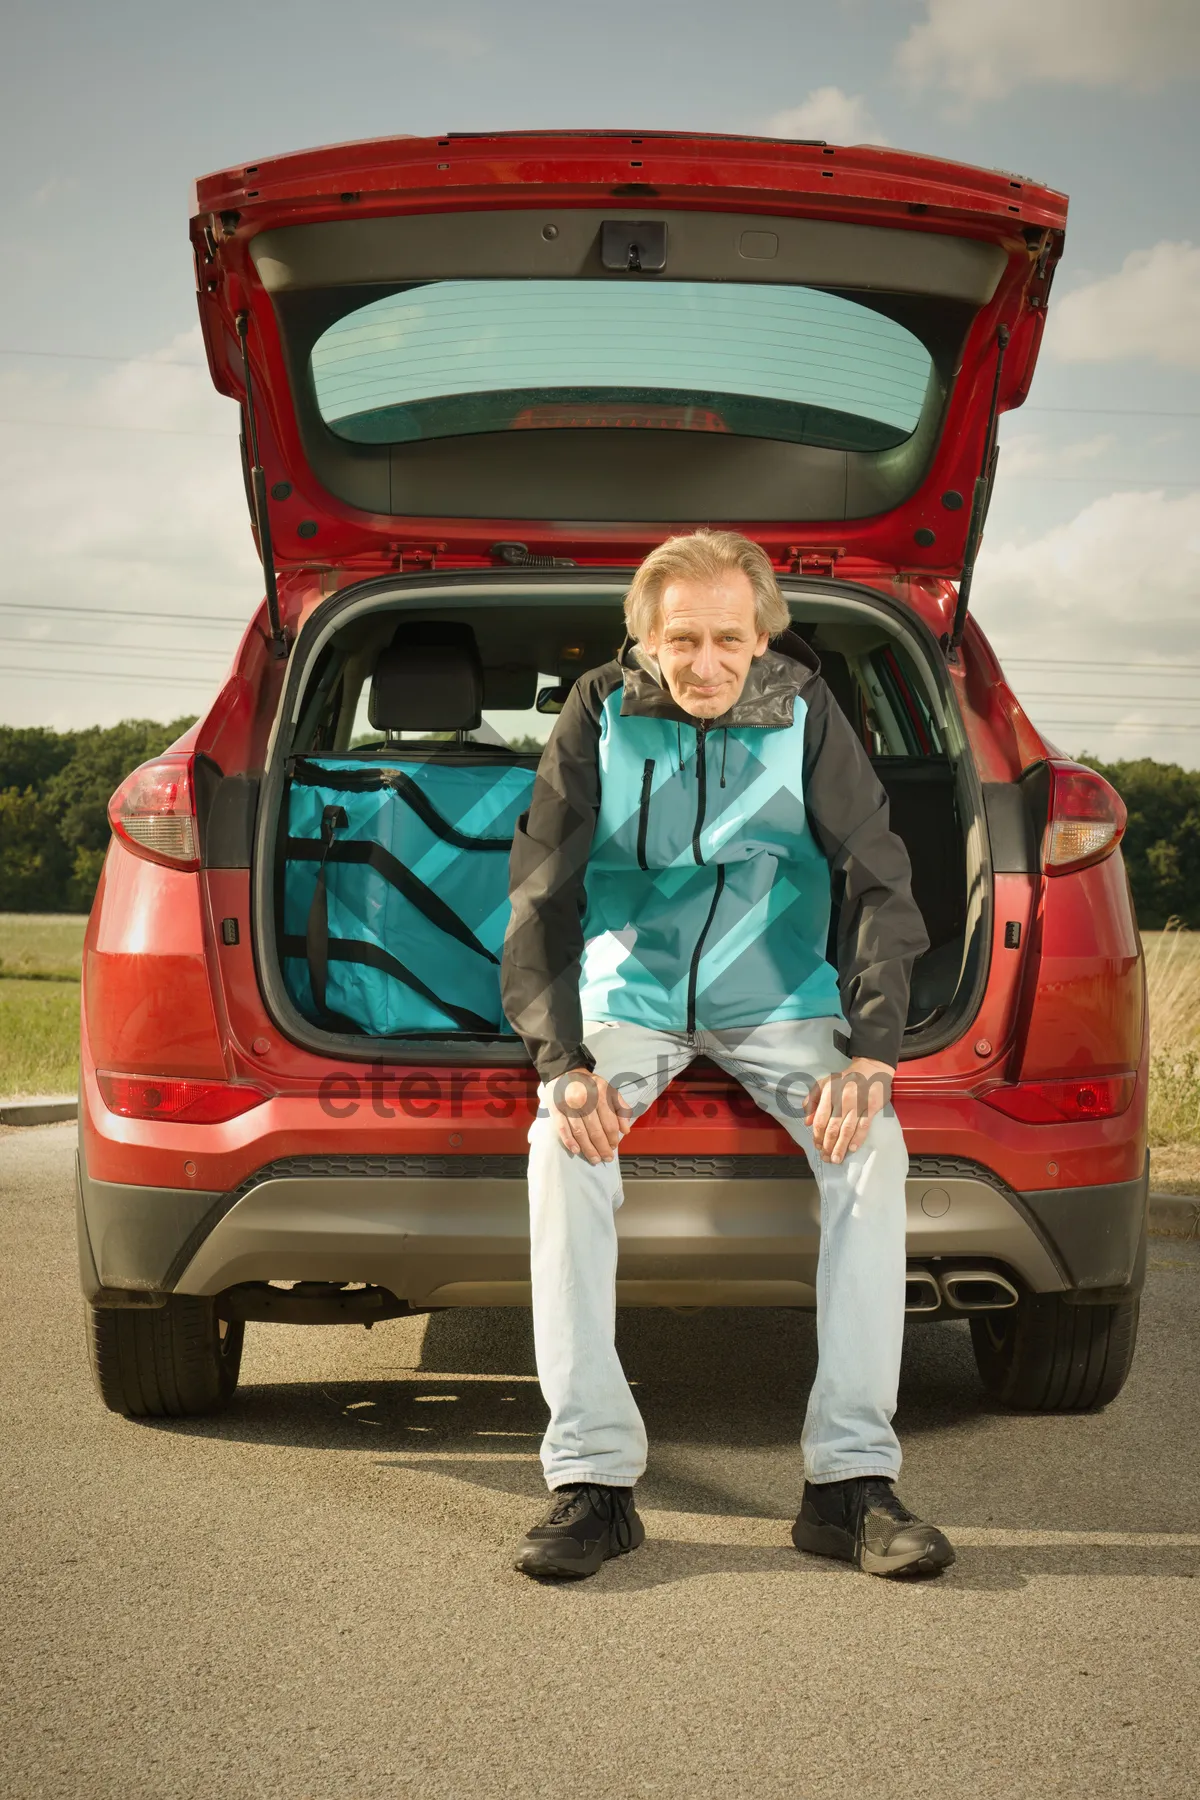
column 590, row 1117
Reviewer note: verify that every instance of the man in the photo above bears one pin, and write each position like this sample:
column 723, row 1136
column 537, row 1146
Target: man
column 671, row 892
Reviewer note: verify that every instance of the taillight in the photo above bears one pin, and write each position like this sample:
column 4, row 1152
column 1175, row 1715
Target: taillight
column 1085, row 820
column 154, row 813
column 1063, row 1102
column 180, row 1102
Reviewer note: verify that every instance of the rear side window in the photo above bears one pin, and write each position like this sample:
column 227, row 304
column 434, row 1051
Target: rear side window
column 452, row 358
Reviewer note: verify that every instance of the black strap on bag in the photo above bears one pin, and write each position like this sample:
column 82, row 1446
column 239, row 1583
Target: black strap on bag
column 369, row 781
column 316, row 937
column 373, row 956
column 393, row 871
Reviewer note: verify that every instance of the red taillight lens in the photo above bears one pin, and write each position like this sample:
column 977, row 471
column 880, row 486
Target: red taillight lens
column 1085, row 821
column 181, row 1102
column 154, row 813
column 1063, row 1102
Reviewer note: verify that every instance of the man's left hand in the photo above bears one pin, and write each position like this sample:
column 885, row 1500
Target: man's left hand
column 840, row 1107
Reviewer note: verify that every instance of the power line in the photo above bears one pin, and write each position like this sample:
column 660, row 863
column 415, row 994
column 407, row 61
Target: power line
column 1085, row 698
column 1057, row 725
column 116, row 612
column 1120, row 412
column 193, row 653
column 1048, row 662
column 111, row 677
column 1103, row 480
column 156, row 362
column 137, row 430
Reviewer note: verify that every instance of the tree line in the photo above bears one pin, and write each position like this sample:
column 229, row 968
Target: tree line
column 55, row 787
column 54, row 792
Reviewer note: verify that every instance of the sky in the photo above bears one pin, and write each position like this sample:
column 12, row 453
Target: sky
column 129, row 563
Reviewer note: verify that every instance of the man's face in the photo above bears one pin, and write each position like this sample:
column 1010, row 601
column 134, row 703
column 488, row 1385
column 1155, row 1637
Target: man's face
column 705, row 641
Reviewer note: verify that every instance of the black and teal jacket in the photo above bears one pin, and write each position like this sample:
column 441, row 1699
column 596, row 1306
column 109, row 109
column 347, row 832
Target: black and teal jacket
column 676, row 872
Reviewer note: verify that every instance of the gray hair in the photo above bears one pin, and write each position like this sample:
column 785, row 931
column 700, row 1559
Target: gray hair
column 705, row 556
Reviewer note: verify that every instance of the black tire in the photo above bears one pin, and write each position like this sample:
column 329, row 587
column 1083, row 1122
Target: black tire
column 1047, row 1356
column 164, row 1362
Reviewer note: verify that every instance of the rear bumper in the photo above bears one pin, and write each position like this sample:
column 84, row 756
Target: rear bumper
column 694, row 1230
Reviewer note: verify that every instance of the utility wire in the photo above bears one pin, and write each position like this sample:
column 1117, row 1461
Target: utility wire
column 109, row 677
column 1061, row 725
column 192, row 654
column 1048, row 662
column 1086, row 698
column 160, row 362
column 117, row 612
column 137, row 430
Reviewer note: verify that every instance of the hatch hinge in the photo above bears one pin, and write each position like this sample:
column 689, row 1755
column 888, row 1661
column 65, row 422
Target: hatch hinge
column 804, row 561
column 519, row 556
column 258, row 500
column 417, row 556
column 984, row 483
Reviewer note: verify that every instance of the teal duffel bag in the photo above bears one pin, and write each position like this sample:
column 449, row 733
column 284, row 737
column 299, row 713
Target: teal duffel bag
column 395, row 891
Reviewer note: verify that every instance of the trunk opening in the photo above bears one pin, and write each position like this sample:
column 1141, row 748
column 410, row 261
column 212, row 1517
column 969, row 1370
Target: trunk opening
column 392, row 936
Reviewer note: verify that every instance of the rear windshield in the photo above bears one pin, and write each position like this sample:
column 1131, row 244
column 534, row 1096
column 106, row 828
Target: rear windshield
column 451, row 358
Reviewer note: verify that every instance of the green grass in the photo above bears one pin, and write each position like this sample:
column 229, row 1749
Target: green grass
column 39, row 1037
column 42, row 946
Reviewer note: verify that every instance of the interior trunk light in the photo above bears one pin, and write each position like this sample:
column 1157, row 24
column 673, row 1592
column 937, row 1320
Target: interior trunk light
column 153, row 812
column 1085, row 821
column 182, row 1102
column 1063, row 1102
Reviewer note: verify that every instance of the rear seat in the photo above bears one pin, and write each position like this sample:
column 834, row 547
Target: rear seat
column 394, row 868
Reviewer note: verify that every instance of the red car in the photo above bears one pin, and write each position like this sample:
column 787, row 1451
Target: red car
column 479, row 377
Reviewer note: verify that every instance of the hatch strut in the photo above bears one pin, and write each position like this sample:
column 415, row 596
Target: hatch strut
column 258, row 488
column 979, row 502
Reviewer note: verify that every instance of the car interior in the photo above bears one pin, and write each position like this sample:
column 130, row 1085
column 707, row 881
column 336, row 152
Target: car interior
column 440, row 689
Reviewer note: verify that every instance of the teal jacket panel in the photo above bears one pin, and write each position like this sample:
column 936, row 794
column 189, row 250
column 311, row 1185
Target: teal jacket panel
column 707, row 897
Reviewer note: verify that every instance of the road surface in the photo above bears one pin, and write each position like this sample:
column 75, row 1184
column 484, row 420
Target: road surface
column 311, row 1597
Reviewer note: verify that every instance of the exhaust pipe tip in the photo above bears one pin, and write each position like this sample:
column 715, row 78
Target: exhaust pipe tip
column 978, row 1290
column 921, row 1292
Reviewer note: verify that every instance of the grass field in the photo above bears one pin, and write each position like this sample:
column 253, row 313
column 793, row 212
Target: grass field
column 44, row 946
column 39, row 1005
column 39, row 1037
column 1173, row 979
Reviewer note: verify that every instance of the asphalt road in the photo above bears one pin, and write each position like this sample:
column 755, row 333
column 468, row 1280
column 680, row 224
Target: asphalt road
column 311, row 1598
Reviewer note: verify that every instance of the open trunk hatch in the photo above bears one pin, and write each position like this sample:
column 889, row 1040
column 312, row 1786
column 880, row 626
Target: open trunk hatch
column 573, row 343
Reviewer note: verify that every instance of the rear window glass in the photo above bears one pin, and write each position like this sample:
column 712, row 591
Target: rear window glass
column 449, row 358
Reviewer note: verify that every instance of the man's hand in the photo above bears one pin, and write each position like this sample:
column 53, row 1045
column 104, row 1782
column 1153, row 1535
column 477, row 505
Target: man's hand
column 590, row 1117
column 840, row 1107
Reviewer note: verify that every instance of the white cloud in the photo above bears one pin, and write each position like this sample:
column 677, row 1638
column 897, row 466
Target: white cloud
column 1031, row 453
column 830, row 114
column 1150, row 307
column 1116, row 584
column 120, row 491
column 983, row 49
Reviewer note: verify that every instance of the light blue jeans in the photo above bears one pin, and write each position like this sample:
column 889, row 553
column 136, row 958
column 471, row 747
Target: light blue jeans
column 596, row 1432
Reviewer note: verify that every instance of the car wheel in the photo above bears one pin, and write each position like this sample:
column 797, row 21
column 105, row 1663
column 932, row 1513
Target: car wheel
column 164, row 1362
column 1045, row 1355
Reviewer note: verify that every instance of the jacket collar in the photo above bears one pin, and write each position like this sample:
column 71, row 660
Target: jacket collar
column 767, row 699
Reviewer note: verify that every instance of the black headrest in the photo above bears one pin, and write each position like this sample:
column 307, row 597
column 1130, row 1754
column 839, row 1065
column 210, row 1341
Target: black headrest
column 428, row 679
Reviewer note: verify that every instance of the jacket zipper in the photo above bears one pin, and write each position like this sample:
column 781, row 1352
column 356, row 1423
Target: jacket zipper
column 694, row 970
column 702, row 789
column 644, row 811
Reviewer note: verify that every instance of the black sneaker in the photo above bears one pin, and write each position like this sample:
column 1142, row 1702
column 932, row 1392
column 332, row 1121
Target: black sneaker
column 863, row 1522
column 582, row 1528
